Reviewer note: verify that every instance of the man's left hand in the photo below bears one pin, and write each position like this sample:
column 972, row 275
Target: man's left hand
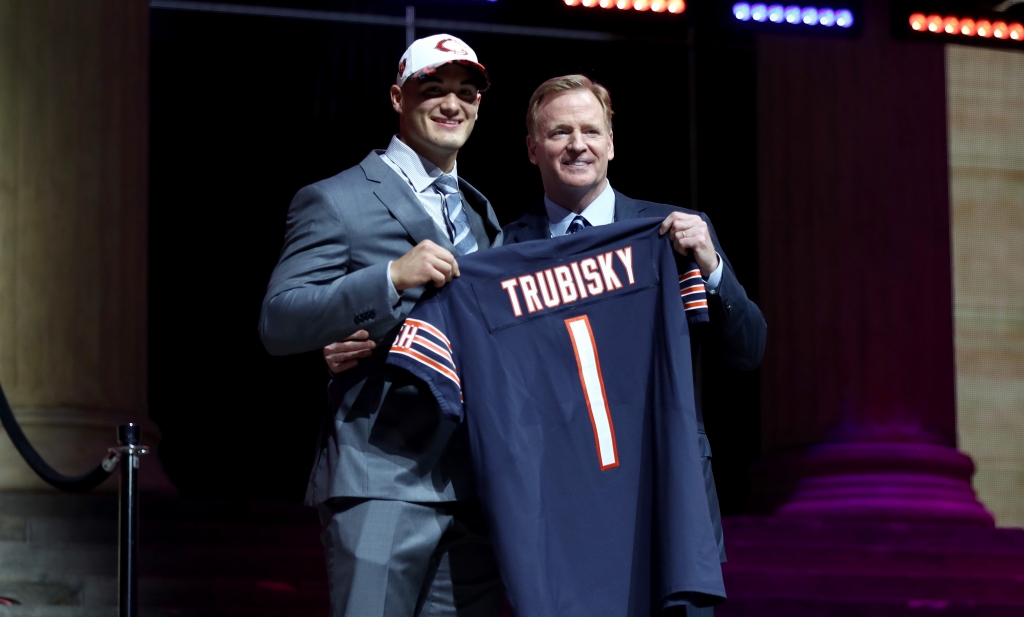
column 689, row 234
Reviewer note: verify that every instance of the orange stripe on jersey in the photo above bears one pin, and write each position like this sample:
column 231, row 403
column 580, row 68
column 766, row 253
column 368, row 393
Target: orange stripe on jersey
column 437, row 366
column 419, row 340
column 695, row 304
column 692, row 274
column 431, row 329
column 691, row 290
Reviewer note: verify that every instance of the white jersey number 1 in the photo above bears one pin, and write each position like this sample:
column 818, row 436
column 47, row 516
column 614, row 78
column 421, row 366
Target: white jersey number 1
column 593, row 390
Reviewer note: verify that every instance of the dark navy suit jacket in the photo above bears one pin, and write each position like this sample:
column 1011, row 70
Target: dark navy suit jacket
column 736, row 331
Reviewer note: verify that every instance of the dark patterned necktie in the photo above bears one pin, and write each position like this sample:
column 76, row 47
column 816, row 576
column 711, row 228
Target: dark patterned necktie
column 577, row 224
column 455, row 217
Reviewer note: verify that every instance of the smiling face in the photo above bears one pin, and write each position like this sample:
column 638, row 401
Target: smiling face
column 571, row 144
column 437, row 113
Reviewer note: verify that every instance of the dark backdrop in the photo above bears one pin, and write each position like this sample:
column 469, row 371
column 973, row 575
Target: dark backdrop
column 245, row 110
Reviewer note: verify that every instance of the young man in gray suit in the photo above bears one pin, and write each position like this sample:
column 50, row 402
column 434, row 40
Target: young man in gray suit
column 570, row 139
column 392, row 481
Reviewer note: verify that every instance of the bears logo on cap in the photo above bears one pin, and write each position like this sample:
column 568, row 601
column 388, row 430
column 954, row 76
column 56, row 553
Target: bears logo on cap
column 440, row 47
column 401, row 67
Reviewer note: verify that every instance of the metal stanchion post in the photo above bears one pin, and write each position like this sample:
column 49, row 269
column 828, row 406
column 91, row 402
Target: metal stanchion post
column 129, row 452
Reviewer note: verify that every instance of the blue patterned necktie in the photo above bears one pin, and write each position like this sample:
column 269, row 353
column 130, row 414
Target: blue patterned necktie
column 455, row 217
column 577, row 224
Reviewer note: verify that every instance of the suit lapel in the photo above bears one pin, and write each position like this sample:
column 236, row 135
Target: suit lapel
column 482, row 221
column 398, row 198
column 626, row 208
column 535, row 224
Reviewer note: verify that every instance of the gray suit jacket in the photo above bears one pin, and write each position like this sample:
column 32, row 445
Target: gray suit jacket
column 384, row 435
column 736, row 332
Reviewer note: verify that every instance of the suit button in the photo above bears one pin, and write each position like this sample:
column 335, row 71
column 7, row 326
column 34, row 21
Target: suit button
column 713, row 292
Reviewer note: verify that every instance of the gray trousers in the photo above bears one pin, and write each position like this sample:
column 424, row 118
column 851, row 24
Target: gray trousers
column 400, row 559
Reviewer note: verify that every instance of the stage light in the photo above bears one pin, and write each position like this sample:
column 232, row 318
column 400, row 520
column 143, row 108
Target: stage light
column 572, row 2
column 676, row 6
column 951, row 25
column 984, row 28
column 934, row 23
column 607, row 4
column 589, row 3
column 918, row 21
column 967, row 27
column 642, row 5
column 1017, row 32
column 999, row 30
column 624, row 4
column 658, row 5
column 792, row 14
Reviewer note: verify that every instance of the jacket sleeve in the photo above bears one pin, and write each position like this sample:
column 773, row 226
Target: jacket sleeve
column 315, row 297
column 738, row 328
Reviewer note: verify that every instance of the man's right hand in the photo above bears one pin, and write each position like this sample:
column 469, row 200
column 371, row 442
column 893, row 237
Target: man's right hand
column 424, row 263
column 344, row 355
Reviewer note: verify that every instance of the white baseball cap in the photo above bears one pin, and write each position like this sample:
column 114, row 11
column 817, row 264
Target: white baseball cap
column 426, row 54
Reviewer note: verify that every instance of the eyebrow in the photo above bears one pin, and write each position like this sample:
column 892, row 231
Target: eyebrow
column 437, row 80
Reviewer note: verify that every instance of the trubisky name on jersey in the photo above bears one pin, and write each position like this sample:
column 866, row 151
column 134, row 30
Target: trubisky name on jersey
column 568, row 283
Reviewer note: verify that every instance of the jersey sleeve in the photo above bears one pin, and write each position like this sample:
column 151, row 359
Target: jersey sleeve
column 423, row 347
column 692, row 290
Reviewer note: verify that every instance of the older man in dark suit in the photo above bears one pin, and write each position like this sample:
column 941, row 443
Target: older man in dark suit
column 570, row 139
column 392, row 479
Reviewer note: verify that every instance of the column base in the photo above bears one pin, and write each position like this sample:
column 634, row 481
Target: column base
column 73, row 441
column 877, row 481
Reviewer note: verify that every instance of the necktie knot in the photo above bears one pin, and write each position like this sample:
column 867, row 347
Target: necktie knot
column 447, row 184
column 577, row 224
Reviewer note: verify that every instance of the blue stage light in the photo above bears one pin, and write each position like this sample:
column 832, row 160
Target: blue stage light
column 741, row 10
column 792, row 14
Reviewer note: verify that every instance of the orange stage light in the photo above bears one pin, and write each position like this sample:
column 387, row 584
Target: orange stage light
column 967, row 27
column 676, row 6
column 1017, row 32
column 951, row 25
column 984, row 28
column 624, row 4
column 917, row 21
column 659, row 5
column 642, row 5
column 999, row 30
column 934, row 23
column 572, row 2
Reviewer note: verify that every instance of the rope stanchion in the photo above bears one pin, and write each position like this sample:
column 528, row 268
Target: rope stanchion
column 127, row 452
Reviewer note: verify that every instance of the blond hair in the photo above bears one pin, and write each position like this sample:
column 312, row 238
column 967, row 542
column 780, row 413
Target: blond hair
column 560, row 85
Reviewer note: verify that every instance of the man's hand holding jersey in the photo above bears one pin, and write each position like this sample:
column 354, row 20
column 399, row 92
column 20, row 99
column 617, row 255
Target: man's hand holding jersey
column 689, row 234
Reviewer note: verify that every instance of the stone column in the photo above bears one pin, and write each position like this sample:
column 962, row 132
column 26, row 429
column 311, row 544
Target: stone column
column 73, row 231
column 858, row 380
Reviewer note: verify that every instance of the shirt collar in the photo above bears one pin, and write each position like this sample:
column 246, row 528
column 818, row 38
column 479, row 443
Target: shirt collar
column 601, row 211
column 420, row 172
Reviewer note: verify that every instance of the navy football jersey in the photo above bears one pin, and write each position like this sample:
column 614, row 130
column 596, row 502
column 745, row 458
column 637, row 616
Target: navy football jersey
column 569, row 360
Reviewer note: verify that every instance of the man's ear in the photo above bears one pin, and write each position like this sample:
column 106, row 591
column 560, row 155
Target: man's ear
column 396, row 98
column 479, row 97
column 531, row 147
column 611, row 145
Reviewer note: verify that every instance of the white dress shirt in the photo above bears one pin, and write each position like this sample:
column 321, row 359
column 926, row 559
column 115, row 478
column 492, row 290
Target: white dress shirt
column 601, row 211
column 419, row 174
